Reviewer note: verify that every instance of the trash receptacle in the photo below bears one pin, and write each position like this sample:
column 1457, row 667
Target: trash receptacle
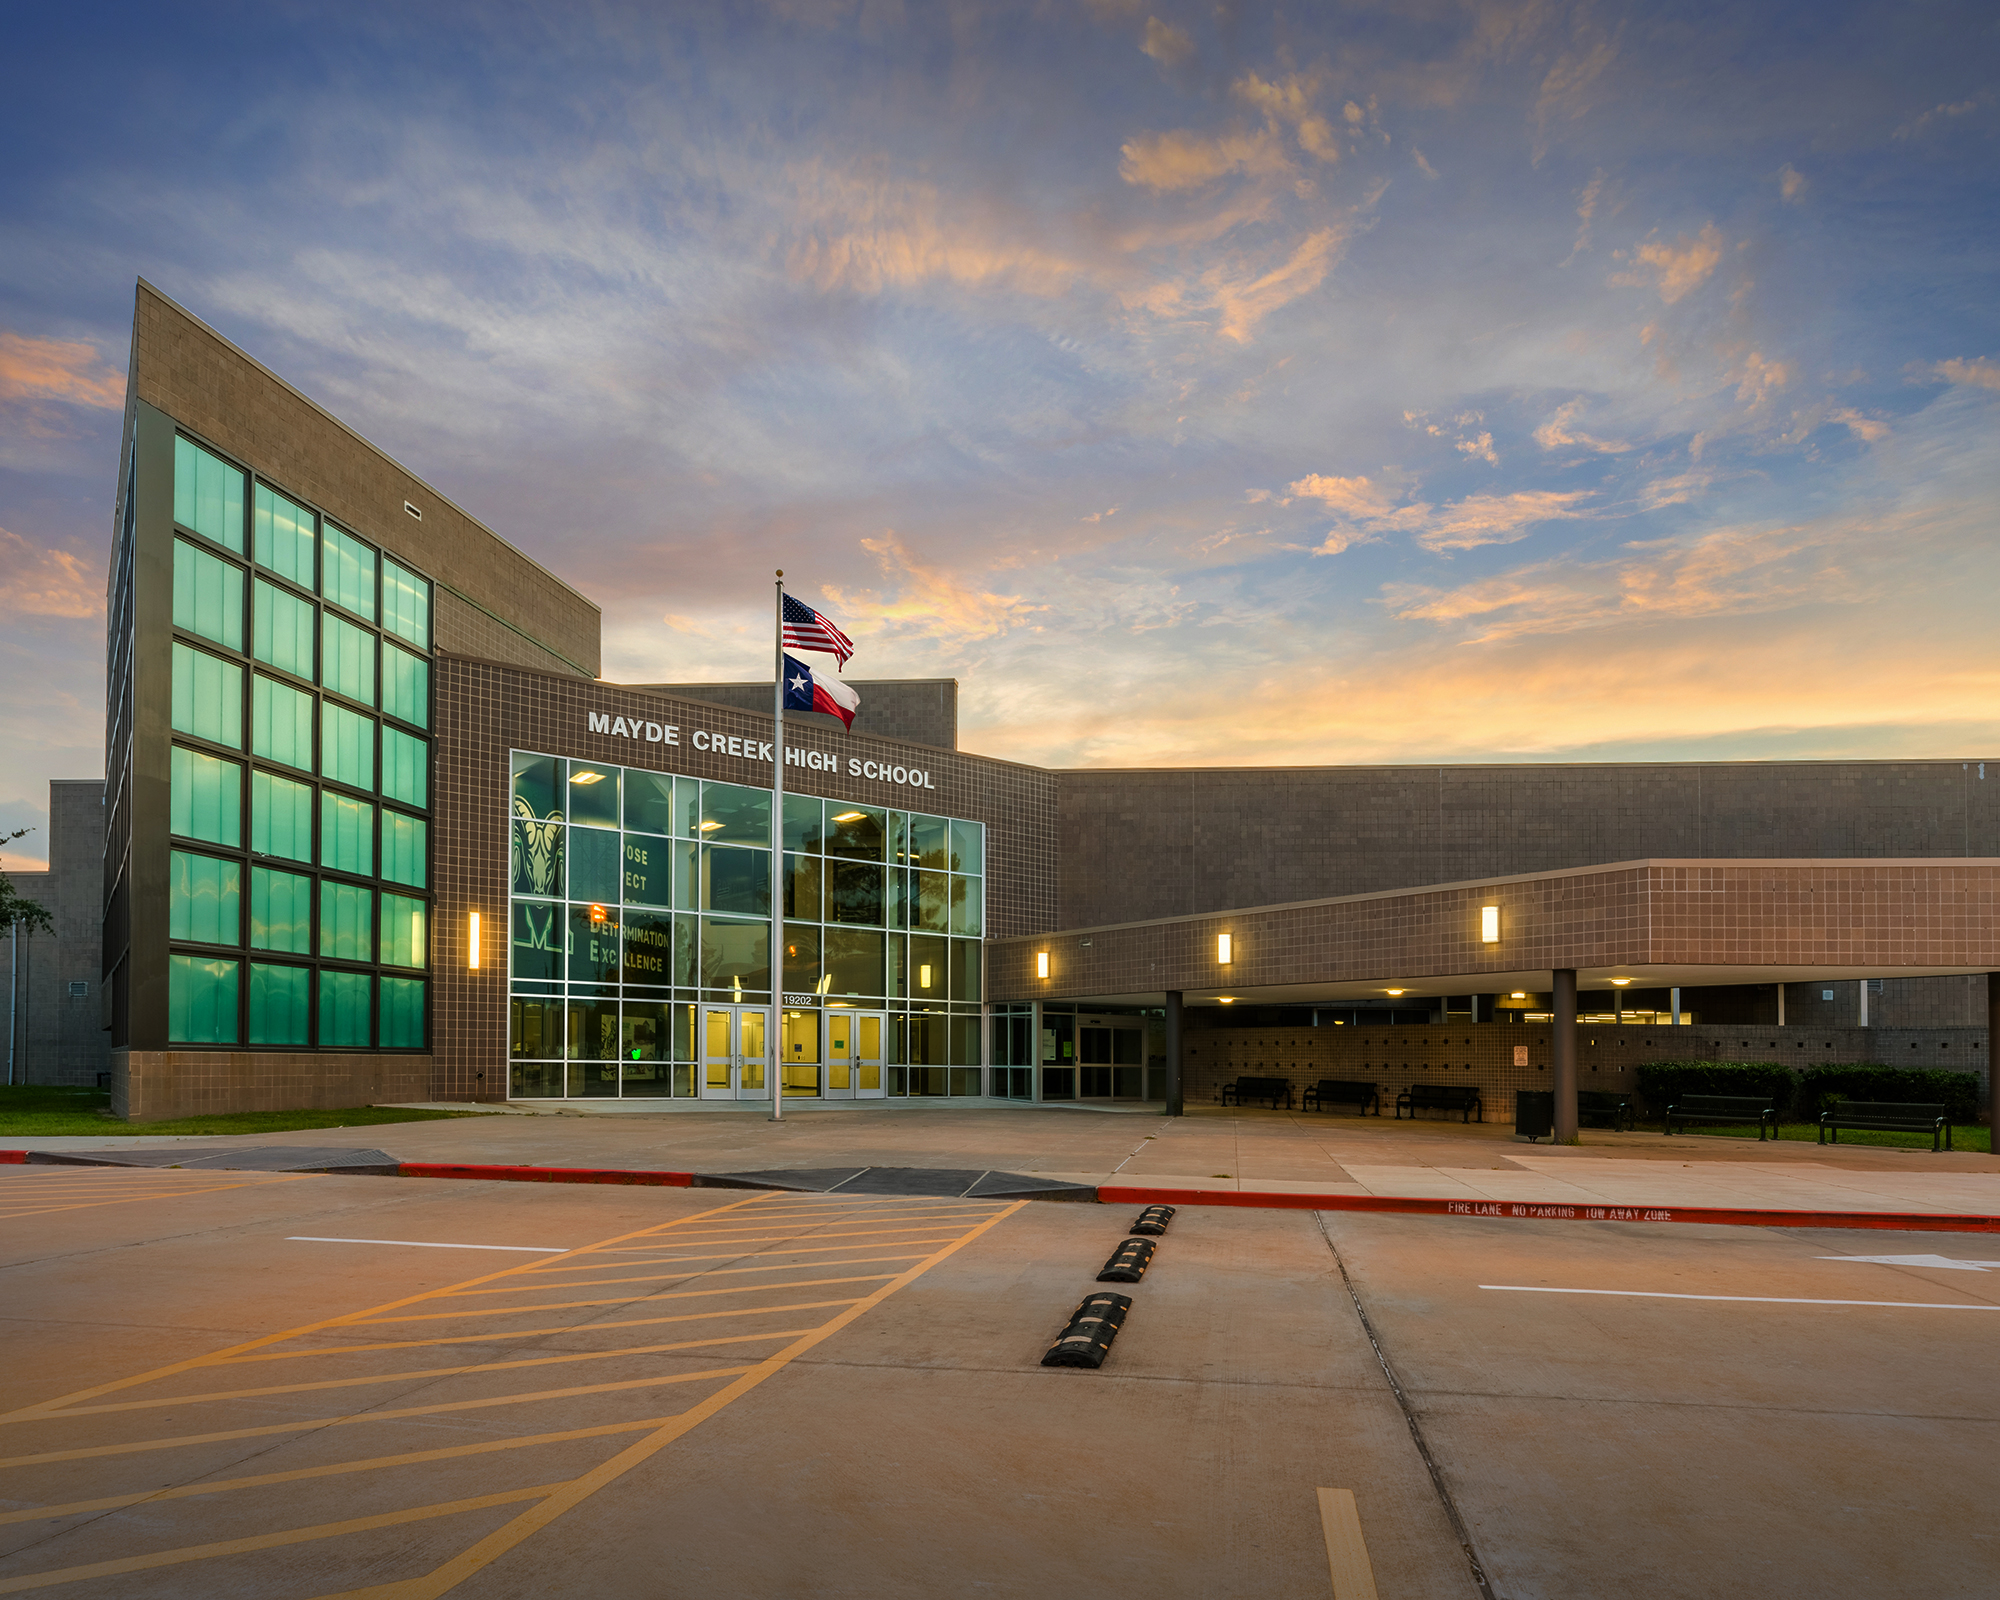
column 1534, row 1113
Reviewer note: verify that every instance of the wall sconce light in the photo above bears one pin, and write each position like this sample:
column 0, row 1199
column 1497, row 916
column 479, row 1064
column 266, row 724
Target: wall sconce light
column 1041, row 963
column 472, row 944
column 924, row 976
column 1223, row 947
column 1489, row 924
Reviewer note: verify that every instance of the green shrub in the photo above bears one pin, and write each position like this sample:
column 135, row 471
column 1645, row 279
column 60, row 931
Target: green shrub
column 1661, row 1083
column 1819, row 1087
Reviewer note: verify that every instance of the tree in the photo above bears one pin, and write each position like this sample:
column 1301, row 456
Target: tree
column 17, row 907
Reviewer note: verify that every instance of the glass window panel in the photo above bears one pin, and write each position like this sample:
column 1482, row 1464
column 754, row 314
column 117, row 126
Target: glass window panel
column 208, row 697
column 534, row 1029
column 687, row 953
column 346, row 746
column 736, row 955
column 643, row 1033
column 285, row 537
column 968, row 847
column 538, row 787
column 208, row 595
column 929, row 978
column 687, row 808
column 406, row 604
column 347, row 573
column 929, row 1045
column 965, row 971
column 965, row 905
column 593, row 1036
column 347, row 660
column 280, row 817
column 201, row 1000
column 406, row 686
column 801, row 887
column 538, row 941
column 649, row 801
column 406, row 767
column 344, row 1004
column 896, row 906
column 208, row 496
column 346, row 922
column 404, row 849
column 280, row 911
column 346, row 834
column 802, row 824
column 205, row 797
column 593, row 944
column 281, row 723
column 965, row 1052
column 802, row 972
column 731, row 814
column 593, row 865
column 281, row 630
column 538, row 857
column 649, row 949
column 854, row 963
column 930, row 842
column 896, row 976
column 933, row 906
column 278, row 1003
column 402, row 1013
column 204, row 899
column 649, row 870
column 899, row 838
column 538, row 1080
column 854, row 894
column 593, row 793
column 405, row 932
column 858, row 833
column 736, row 880
column 687, row 876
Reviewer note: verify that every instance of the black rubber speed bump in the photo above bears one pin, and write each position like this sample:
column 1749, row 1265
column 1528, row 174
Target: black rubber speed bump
column 1128, row 1262
column 1153, row 1219
column 1092, row 1327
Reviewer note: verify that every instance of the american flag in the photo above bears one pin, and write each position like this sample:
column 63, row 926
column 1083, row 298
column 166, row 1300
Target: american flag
column 806, row 629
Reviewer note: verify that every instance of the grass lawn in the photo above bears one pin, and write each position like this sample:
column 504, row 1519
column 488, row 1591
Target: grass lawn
column 1965, row 1136
column 36, row 1111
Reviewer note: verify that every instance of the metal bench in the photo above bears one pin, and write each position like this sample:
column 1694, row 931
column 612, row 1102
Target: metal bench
column 1244, row 1090
column 1739, row 1108
column 1889, row 1116
column 1440, row 1097
column 1605, row 1103
column 1341, row 1092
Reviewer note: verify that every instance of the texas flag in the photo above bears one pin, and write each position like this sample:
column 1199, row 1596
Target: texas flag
column 806, row 690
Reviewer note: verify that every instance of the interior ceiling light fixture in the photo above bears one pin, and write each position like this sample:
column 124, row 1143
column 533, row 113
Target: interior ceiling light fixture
column 586, row 777
column 1517, row 995
column 1225, row 999
column 1621, row 982
column 850, row 816
column 709, row 826
column 1395, row 991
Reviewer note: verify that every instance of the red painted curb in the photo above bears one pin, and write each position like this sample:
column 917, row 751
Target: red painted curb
column 447, row 1169
column 13, row 1158
column 1902, row 1221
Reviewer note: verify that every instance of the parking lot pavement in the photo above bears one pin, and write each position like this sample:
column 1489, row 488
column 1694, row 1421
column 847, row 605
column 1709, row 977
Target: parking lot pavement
column 278, row 1386
column 1796, row 1426
column 721, row 1395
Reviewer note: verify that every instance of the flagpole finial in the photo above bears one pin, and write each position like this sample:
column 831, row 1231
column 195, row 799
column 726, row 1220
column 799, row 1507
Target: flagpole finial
column 781, row 572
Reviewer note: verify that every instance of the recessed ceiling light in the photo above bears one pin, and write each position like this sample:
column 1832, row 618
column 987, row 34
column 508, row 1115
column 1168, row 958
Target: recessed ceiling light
column 1621, row 982
column 850, row 816
column 1395, row 991
column 706, row 826
column 586, row 777
column 1225, row 999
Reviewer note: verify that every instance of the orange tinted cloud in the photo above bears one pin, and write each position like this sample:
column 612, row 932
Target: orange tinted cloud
column 57, row 369
column 45, row 583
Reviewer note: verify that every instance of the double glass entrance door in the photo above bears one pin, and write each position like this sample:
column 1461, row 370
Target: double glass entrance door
column 735, row 1052
column 835, row 1054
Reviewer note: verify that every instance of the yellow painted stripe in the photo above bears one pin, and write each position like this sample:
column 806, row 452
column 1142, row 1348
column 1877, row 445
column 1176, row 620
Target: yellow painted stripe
column 54, row 1407
column 608, row 1300
column 574, row 1493
column 90, row 1452
column 1346, row 1550
column 483, row 1366
column 712, row 1272
column 267, row 1541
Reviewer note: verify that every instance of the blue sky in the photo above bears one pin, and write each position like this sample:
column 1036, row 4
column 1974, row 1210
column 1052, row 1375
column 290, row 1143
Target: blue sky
column 1415, row 382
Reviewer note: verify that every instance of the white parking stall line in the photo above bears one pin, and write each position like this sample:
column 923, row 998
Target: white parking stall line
column 1748, row 1299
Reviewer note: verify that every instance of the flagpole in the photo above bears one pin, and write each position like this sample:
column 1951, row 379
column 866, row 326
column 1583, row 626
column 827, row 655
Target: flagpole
column 775, row 1031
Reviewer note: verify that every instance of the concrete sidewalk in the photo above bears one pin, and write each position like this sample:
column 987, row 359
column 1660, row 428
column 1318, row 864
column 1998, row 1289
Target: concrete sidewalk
column 1239, row 1152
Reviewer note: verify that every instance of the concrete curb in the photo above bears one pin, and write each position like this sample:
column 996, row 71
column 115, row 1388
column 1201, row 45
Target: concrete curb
column 1132, row 1194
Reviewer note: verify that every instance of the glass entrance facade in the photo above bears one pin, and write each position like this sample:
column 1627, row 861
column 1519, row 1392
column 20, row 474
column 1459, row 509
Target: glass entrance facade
column 641, row 911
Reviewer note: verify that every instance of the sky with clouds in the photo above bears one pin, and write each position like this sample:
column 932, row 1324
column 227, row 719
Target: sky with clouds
column 1197, row 384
